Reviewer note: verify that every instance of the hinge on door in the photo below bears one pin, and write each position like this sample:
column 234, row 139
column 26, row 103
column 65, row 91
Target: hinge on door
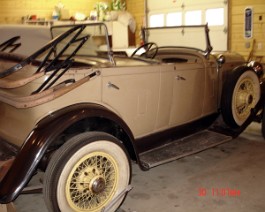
column 225, row 2
column 225, row 30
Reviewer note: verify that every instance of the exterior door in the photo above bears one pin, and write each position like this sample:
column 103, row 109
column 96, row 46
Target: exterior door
column 134, row 93
column 188, row 93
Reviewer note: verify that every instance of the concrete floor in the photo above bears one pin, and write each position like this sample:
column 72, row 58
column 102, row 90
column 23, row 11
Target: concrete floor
column 229, row 177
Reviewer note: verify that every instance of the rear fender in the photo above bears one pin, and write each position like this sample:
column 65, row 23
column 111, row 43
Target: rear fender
column 36, row 144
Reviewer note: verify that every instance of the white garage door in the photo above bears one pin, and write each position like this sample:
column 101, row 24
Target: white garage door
column 191, row 12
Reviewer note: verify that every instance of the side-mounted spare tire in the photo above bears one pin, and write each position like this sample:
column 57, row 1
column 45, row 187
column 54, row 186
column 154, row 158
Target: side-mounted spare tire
column 241, row 93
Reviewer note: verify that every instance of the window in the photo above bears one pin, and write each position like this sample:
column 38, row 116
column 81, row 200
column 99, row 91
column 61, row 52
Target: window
column 215, row 17
column 174, row 19
column 193, row 17
column 157, row 20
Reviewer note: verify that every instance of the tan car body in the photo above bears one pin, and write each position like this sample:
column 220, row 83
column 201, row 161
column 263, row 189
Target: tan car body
column 141, row 101
column 153, row 95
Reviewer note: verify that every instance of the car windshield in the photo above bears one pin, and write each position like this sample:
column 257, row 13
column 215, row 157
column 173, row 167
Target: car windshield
column 195, row 37
column 96, row 42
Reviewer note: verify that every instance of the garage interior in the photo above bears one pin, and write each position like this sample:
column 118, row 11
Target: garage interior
column 226, row 177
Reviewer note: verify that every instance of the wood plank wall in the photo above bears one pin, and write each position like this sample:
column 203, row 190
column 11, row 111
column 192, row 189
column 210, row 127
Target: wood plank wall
column 237, row 42
column 137, row 9
column 11, row 11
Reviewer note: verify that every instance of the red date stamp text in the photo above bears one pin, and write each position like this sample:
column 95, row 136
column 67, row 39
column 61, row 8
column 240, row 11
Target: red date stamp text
column 219, row 192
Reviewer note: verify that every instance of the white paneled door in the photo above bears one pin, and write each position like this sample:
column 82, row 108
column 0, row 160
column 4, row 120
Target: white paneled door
column 192, row 12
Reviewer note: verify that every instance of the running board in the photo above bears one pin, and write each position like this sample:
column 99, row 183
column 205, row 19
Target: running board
column 183, row 147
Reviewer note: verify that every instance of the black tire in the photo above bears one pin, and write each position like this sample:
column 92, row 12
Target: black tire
column 87, row 173
column 240, row 94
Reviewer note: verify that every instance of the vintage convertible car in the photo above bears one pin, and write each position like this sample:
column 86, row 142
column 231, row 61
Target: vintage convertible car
column 81, row 113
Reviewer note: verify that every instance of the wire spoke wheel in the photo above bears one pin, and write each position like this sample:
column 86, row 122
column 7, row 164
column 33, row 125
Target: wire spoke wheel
column 87, row 173
column 241, row 93
column 246, row 95
column 92, row 182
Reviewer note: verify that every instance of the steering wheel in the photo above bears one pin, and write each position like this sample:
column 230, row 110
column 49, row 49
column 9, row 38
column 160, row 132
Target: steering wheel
column 149, row 53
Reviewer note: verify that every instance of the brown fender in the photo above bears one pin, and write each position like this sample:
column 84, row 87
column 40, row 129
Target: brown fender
column 42, row 136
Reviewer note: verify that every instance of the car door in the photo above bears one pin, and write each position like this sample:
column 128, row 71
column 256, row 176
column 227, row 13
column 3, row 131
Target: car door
column 133, row 93
column 188, row 92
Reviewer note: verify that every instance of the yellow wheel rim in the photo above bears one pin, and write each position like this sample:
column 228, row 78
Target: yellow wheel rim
column 245, row 98
column 92, row 182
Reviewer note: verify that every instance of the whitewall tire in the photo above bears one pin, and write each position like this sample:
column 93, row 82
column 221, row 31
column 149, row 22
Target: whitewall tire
column 87, row 173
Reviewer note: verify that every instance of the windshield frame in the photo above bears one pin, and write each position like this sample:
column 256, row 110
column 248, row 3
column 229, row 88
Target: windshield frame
column 99, row 24
column 206, row 51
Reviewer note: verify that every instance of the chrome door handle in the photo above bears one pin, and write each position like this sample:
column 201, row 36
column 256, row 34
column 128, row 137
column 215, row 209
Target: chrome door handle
column 179, row 78
column 110, row 85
